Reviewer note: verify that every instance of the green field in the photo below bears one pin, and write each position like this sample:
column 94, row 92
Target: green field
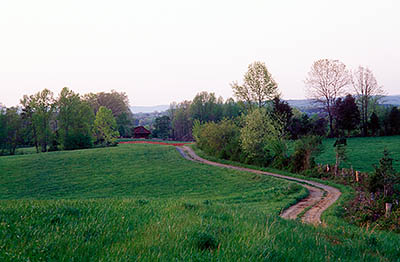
column 363, row 152
column 146, row 203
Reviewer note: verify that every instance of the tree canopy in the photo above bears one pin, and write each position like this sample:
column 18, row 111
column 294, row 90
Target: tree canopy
column 258, row 86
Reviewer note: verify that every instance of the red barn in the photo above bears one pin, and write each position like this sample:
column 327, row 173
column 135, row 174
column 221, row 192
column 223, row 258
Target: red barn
column 141, row 132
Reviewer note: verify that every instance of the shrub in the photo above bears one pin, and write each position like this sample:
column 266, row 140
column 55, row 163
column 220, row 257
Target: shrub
column 78, row 141
column 205, row 241
column 305, row 150
column 218, row 139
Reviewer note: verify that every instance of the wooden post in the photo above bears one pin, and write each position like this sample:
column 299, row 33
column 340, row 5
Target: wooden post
column 357, row 176
column 388, row 207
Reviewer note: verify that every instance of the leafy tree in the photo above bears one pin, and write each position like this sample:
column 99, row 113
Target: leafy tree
column 305, row 150
column 206, row 107
column 347, row 115
column 258, row 86
column 75, row 119
column 181, row 121
column 125, row 124
column 394, row 121
column 263, row 137
column 283, row 109
column 10, row 130
column 384, row 177
column 231, row 109
column 162, row 127
column 3, row 130
column 374, row 124
column 118, row 102
column 218, row 139
column 14, row 126
column 327, row 81
column 38, row 109
column 105, row 127
column 368, row 92
column 340, row 152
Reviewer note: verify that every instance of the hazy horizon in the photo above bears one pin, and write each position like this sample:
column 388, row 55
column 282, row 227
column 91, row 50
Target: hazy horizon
column 164, row 51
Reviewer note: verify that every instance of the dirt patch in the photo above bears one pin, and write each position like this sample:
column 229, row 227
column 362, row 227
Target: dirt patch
column 315, row 203
column 154, row 142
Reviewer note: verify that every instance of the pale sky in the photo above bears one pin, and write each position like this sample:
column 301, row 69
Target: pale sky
column 163, row 51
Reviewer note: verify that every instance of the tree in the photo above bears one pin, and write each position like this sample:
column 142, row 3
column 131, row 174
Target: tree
column 327, row 81
column 231, row 109
column 394, row 121
column 75, row 119
column 206, row 107
column 368, row 91
column 118, row 102
column 374, row 124
column 347, row 115
column 125, row 124
column 38, row 109
column 263, row 137
column 105, row 127
column 258, row 86
column 181, row 121
column 162, row 127
column 384, row 177
column 283, row 109
column 218, row 139
column 305, row 149
column 340, row 152
column 10, row 129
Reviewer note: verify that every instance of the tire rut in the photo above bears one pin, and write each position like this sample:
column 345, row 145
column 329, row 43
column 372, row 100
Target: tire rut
column 319, row 199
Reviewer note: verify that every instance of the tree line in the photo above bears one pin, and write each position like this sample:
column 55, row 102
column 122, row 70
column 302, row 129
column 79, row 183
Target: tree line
column 349, row 103
column 69, row 121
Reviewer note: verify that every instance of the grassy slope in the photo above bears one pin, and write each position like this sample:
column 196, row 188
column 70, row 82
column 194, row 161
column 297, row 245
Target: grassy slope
column 362, row 152
column 146, row 203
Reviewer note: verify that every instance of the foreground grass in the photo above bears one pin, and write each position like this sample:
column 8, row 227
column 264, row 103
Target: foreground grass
column 363, row 152
column 146, row 203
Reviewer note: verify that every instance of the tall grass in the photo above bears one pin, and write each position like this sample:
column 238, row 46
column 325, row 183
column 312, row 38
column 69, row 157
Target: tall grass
column 146, row 203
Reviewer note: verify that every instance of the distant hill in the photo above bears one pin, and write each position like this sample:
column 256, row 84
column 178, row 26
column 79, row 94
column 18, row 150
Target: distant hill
column 392, row 100
column 306, row 104
column 148, row 109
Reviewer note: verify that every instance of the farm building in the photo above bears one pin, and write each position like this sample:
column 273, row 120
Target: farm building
column 141, row 132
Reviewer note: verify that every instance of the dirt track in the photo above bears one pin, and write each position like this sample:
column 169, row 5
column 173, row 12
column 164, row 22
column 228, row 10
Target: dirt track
column 320, row 198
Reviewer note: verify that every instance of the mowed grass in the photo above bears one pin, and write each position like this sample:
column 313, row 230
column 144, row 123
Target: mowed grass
column 147, row 203
column 363, row 152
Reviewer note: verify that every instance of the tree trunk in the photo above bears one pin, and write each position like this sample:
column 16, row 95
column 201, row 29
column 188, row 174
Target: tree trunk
column 331, row 134
column 388, row 208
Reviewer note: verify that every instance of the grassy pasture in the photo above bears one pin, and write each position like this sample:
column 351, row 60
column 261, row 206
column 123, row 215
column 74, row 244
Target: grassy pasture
column 362, row 152
column 146, row 203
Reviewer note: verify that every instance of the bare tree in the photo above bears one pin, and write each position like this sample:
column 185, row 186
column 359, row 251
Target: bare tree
column 326, row 81
column 258, row 86
column 368, row 92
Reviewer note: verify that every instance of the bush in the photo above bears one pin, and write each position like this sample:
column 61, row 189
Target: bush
column 304, row 153
column 219, row 139
column 205, row 241
column 78, row 141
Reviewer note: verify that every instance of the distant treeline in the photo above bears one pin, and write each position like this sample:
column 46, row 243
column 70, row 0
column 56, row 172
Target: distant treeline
column 70, row 121
column 178, row 121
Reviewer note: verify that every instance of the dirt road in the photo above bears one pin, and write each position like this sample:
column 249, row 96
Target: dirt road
column 320, row 198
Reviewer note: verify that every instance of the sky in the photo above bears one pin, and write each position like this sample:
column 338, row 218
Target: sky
column 164, row 51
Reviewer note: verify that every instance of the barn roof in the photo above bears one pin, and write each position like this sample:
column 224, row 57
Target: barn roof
column 141, row 130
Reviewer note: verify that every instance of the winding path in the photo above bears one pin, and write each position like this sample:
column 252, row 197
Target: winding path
column 319, row 199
